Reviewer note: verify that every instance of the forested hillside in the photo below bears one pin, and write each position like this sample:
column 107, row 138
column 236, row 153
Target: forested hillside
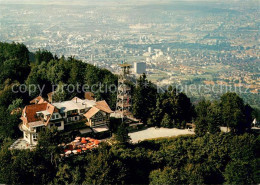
column 207, row 157
column 210, row 159
column 21, row 69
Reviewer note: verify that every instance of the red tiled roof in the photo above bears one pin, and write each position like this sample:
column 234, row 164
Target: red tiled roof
column 42, row 101
column 37, row 100
column 30, row 111
column 89, row 96
column 51, row 109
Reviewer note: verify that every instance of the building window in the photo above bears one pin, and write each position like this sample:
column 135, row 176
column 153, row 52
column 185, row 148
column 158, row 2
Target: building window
column 57, row 116
column 76, row 118
column 82, row 111
column 38, row 129
column 35, row 137
column 26, row 135
column 57, row 124
column 53, row 117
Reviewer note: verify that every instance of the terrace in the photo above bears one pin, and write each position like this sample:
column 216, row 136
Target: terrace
column 79, row 146
column 21, row 144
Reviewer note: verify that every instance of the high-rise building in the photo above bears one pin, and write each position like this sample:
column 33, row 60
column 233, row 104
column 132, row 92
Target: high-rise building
column 139, row 67
column 149, row 50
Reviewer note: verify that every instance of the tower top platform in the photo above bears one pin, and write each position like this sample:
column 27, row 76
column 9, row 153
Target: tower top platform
column 125, row 65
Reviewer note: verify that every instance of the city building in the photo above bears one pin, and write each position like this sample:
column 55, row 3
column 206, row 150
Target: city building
column 139, row 67
column 149, row 50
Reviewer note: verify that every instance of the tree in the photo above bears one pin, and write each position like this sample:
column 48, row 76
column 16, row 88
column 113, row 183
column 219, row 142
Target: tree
column 104, row 168
column 144, row 99
column 7, row 95
column 59, row 94
column 176, row 105
column 235, row 114
column 17, row 103
column 43, row 56
column 241, row 172
column 8, row 125
column 256, row 114
column 166, row 121
column 167, row 176
column 121, row 134
column 57, row 71
column 77, row 73
column 14, row 62
column 208, row 118
column 157, row 114
column 38, row 78
column 184, row 108
column 68, row 174
column 201, row 126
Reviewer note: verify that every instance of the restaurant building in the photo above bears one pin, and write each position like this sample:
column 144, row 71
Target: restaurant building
column 93, row 114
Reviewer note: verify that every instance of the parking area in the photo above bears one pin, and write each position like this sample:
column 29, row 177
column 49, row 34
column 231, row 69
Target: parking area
column 151, row 133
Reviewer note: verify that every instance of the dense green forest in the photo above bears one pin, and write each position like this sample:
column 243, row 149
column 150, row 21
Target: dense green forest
column 207, row 157
column 210, row 159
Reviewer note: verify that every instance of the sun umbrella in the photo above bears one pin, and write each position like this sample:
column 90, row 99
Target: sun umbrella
column 96, row 142
column 75, row 151
column 77, row 138
column 84, row 142
column 68, row 152
column 88, row 147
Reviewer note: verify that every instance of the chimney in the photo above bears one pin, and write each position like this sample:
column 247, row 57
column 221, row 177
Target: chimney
column 89, row 96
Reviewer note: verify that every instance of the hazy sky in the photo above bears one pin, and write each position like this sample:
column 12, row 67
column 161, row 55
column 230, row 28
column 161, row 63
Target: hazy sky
column 118, row 1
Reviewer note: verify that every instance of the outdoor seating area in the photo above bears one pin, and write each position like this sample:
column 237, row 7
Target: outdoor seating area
column 20, row 144
column 79, row 145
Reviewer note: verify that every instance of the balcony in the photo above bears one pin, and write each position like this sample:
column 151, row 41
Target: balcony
column 123, row 104
column 124, row 97
column 23, row 128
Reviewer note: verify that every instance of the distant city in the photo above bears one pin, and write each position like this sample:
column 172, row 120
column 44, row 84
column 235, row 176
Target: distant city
column 209, row 43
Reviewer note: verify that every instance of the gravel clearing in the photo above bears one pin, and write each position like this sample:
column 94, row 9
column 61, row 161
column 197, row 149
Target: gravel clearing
column 151, row 133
